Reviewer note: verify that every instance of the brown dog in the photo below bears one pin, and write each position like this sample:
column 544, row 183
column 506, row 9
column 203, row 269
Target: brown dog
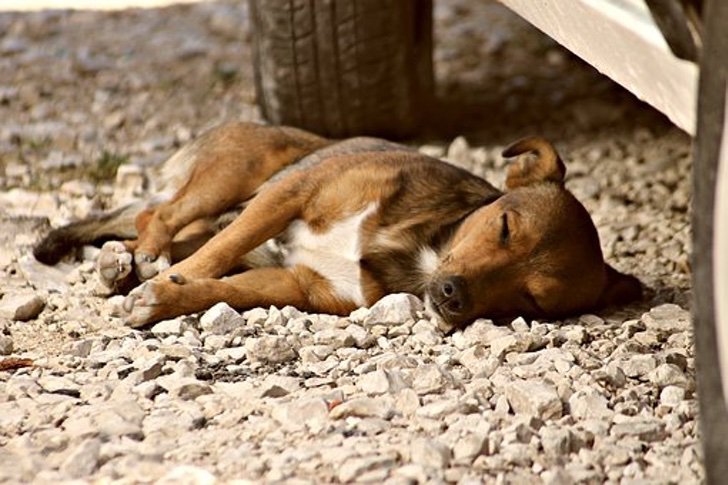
column 355, row 220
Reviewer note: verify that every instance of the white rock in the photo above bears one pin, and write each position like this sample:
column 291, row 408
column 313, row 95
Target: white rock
column 478, row 361
column 374, row 383
column 174, row 326
column 334, row 337
column 355, row 467
column 647, row 429
column 468, row 447
column 672, row 395
column 6, row 345
column 668, row 318
column 221, row 319
column 535, row 398
column 587, row 403
column 187, row 475
column 429, row 379
column 555, row 441
column 269, row 348
column 362, row 338
column 21, row 306
column 668, row 375
column 407, row 402
column 364, row 407
column 255, row 316
column 638, row 365
column 393, row 309
column 429, row 453
column 515, row 342
column 185, row 388
column 83, row 460
column 312, row 413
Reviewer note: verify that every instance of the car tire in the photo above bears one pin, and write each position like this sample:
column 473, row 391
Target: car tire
column 342, row 68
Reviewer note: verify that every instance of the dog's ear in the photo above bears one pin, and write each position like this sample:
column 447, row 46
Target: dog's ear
column 537, row 162
column 620, row 288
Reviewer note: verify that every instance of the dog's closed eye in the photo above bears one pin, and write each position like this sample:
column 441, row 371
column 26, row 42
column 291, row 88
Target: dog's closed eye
column 505, row 233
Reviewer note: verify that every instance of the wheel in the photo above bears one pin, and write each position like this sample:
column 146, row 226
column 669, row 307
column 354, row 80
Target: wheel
column 710, row 242
column 344, row 67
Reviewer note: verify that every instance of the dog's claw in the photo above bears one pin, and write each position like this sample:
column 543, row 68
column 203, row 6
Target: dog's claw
column 177, row 278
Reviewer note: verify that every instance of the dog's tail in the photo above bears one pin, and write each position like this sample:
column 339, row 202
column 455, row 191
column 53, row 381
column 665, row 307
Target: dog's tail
column 118, row 224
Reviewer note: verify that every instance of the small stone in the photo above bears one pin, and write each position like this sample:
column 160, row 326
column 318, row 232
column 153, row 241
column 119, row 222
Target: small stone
column 362, row 338
column 407, row 402
column 255, row 316
column 83, row 460
column 393, row 309
column 535, row 398
column 589, row 404
column 668, row 318
column 355, row 467
column 520, row 325
column 645, row 429
column 21, row 306
column 59, row 385
column 174, row 326
column 483, row 331
column 279, row 386
column 555, row 441
column 515, row 342
column 639, row 365
column 221, row 319
column 428, row 379
column 307, row 412
column 6, row 345
column 468, row 447
column 187, row 474
column 81, row 348
column 668, row 375
column 269, row 348
column 459, row 152
column 334, row 337
column 478, row 361
column 185, row 388
column 364, row 407
column 441, row 408
column 672, row 395
column 429, row 453
column 375, row 382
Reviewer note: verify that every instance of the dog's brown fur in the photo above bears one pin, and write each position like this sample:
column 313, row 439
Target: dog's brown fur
column 357, row 220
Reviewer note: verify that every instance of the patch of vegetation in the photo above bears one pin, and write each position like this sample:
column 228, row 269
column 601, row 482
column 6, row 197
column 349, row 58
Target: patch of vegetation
column 225, row 73
column 106, row 166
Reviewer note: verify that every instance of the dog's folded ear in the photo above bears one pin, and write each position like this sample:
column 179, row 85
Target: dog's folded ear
column 620, row 289
column 537, row 162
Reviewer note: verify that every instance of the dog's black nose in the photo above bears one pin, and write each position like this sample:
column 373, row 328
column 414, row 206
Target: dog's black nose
column 453, row 294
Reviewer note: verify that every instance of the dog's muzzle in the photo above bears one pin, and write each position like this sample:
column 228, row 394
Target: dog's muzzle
column 447, row 299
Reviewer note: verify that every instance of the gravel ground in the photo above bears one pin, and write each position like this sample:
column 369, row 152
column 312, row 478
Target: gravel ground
column 380, row 396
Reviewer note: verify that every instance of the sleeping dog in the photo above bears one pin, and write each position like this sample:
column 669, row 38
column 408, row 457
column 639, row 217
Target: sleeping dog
column 258, row 215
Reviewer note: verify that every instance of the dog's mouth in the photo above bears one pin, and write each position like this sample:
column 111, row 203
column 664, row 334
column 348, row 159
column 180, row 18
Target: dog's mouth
column 437, row 315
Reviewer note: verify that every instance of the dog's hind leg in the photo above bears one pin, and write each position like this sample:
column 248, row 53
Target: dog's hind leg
column 229, row 165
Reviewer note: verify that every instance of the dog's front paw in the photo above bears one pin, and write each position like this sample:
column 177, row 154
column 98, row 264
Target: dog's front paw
column 113, row 264
column 141, row 305
column 148, row 266
column 156, row 299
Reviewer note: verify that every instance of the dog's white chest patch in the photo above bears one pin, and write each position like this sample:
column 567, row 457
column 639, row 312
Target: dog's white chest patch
column 334, row 254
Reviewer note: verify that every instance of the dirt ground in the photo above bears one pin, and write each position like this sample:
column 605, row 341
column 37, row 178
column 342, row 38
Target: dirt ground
column 84, row 93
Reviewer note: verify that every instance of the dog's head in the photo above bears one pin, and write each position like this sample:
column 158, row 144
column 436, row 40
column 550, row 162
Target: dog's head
column 533, row 252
